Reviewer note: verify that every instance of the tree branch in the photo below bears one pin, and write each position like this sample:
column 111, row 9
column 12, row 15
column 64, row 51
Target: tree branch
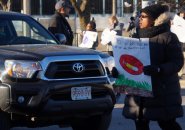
column 76, row 7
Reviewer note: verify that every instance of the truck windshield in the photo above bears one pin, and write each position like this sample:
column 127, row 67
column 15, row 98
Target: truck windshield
column 23, row 31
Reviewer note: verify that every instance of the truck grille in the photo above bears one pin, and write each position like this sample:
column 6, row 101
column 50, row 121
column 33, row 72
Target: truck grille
column 74, row 69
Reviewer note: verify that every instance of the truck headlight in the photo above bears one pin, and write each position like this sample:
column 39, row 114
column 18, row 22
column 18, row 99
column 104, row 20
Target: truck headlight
column 109, row 62
column 21, row 68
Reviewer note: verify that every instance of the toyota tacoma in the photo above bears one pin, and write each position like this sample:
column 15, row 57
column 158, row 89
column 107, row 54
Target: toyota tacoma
column 45, row 83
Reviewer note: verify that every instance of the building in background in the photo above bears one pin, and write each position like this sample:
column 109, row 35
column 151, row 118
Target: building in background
column 46, row 7
column 101, row 7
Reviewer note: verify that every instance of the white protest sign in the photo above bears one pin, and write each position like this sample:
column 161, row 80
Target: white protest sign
column 178, row 27
column 107, row 36
column 88, row 39
column 131, row 55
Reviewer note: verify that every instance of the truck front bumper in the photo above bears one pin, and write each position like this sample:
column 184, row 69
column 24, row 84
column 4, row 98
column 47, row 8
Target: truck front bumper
column 54, row 98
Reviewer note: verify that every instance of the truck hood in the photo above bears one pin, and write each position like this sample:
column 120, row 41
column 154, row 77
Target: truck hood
column 38, row 52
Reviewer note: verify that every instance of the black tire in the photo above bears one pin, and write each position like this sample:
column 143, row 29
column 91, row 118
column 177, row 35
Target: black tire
column 100, row 122
column 4, row 121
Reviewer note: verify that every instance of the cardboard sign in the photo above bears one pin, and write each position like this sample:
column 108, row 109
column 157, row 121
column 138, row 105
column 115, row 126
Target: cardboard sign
column 131, row 55
column 107, row 36
column 88, row 39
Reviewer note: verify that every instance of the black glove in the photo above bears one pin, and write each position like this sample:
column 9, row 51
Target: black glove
column 115, row 72
column 151, row 70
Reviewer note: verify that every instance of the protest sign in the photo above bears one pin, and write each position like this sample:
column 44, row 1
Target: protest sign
column 178, row 27
column 107, row 36
column 89, row 38
column 131, row 55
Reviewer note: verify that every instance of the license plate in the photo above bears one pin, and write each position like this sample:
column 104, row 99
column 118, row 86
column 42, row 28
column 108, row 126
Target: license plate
column 81, row 93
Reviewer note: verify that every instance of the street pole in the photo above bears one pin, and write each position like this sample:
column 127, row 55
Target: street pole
column 177, row 5
column 135, row 5
column 75, row 28
column 26, row 10
column 26, row 7
column 40, row 9
column 122, row 8
column 119, row 8
column 103, row 7
column 113, row 7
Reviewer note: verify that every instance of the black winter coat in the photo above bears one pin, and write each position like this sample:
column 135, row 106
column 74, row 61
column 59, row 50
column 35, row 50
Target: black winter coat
column 58, row 24
column 165, row 52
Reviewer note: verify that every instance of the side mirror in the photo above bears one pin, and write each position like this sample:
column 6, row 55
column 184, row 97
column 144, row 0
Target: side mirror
column 61, row 38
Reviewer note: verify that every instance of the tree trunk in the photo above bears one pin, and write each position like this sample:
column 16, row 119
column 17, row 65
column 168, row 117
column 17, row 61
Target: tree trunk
column 84, row 21
column 6, row 4
column 82, row 7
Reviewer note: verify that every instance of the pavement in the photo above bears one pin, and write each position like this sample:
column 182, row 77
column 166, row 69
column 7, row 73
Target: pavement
column 118, row 121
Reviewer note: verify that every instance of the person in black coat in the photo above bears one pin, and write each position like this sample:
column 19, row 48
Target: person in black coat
column 166, row 61
column 58, row 22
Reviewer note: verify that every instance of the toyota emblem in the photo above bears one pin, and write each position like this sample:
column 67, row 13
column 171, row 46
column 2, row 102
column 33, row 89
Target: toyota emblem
column 78, row 67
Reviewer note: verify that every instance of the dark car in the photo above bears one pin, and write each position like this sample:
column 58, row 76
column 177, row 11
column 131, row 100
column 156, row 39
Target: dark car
column 45, row 83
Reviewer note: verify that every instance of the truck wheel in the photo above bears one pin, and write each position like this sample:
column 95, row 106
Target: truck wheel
column 100, row 122
column 4, row 121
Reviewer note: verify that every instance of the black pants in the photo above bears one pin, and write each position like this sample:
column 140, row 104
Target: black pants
column 164, row 125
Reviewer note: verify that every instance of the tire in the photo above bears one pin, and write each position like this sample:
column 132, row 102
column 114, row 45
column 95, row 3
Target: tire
column 4, row 121
column 100, row 122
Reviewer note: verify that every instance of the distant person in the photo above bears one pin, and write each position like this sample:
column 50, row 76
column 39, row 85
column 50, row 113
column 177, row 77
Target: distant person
column 118, row 28
column 58, row 22
column 136, row 17
column 181, row 13
column 115, row 26
column 132, row 27
column 93, row 20
column 91, row 26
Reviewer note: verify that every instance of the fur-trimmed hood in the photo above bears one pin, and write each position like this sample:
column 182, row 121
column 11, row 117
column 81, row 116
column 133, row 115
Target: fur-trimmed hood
column 163, row 18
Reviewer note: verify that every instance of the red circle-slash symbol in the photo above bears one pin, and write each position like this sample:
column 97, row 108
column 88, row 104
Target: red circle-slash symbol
column 131, row 64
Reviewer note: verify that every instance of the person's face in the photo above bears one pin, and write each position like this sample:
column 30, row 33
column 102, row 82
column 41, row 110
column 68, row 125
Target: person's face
column 89, row 27
column 182, row 15
column 111, row 22
column 65, row 11
column 145, row 21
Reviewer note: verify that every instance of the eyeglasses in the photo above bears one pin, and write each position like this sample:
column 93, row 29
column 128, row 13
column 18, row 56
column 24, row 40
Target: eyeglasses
column 143, row 16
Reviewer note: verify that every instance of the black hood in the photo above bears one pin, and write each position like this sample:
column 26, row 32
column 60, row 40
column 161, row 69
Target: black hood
column 38, row 52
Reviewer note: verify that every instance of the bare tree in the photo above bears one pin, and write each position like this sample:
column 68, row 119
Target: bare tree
column 82, row 8
column 6, row 5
